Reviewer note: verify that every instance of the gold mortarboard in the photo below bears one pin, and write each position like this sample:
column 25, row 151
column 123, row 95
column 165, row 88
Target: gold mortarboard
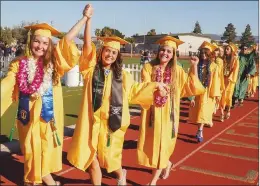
column 169, row 41
column 214, row 46
column 113, row 42
column 43, row 29
column 207, row 45
column 233, row 47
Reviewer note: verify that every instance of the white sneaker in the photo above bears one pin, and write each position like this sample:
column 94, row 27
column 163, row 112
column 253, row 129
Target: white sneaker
column 123, row 180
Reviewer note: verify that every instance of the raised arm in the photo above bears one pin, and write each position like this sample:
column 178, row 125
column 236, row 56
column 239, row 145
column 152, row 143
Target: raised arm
column 77, row 27
column 66, row 53
column 88, row 12
column 8, row 87
column 88, row 55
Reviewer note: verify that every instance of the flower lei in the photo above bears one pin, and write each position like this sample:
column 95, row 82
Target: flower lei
column 26, row 83
column 159, row 100
column 33, row 78
column 204, row 79
column 47, row 80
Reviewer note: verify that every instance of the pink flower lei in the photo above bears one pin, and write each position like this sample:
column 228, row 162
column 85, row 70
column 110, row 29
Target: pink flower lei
column 160, row 101
column 23, row 73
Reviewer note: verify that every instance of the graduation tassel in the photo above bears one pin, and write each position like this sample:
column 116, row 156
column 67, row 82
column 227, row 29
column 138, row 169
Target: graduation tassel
column 173, row 133
column 13, row 128
column 27, row 51
column 11, row 134
column 108, row 139
column 57, row 138
column 54, row 130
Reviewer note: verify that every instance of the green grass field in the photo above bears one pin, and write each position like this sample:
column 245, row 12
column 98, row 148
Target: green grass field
column 71, row 99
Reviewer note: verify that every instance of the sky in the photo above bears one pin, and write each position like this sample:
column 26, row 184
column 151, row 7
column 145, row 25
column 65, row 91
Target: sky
column 131, row 17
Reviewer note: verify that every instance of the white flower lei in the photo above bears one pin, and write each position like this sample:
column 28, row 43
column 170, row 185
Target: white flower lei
column 47, row 78
column 31, row 69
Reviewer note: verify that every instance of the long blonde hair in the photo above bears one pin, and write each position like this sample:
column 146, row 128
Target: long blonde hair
column 232, row 58
column 171, row 64
column 48, row 58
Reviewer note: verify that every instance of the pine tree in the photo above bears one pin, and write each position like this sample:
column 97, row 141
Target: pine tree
column 247, row 38
column 197, row 29
column 229, row 35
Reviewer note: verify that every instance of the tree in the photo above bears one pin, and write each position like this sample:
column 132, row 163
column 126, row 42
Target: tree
column 229, row 35
column 247, row 38
column 135, row 35
column 81, row 36
column 130, row 39
column 152, row 32
column 6, row 35
column 97, row 32
column 118, row 33
column 106, row 31
column 197, row 29
column 19, row 33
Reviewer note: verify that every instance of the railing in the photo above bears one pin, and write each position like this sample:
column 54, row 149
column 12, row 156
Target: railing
column 4, row 64
column 135, row 70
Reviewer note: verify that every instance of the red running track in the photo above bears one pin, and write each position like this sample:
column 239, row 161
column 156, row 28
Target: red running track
column 229, row 154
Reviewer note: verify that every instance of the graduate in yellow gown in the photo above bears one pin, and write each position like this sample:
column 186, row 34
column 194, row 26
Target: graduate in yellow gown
column 217, row 50
column 104, row 117
column 160, row 122
column 202, row 106
column 39, row 93
column 230, row 71
column 221, row 52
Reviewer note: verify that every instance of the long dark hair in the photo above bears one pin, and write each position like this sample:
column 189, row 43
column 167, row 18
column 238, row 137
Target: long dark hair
column 116, row 66
column 156, row 61
column 209, row 55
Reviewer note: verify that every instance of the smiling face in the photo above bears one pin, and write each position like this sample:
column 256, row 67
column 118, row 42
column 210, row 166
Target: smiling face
column 109, row 56
column 165, row 54
column 39, row 45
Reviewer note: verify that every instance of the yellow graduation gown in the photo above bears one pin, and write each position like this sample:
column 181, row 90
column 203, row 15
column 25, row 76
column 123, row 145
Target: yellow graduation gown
column 41, row 155
column 91, row 132
column 205, row 103
column 156, row 145
column 219, row 62
column 230, row 82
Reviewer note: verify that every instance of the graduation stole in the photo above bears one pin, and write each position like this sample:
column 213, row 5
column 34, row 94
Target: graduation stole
column 204, row 78
column 47, row 111
column 116, row 103
column 157, row 76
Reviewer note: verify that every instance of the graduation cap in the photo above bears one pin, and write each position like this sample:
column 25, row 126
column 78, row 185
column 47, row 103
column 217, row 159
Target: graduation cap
column 207, row 45
column 169, row 41
column 113, row 42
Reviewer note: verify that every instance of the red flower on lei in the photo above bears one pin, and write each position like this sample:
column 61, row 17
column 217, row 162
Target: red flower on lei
column 22, row 77
column 159, row 100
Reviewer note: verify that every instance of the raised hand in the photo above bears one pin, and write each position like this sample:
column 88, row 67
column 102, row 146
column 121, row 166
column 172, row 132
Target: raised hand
column 88, row 11
column 194, row 60
column 163, row 89
column 192, row 103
